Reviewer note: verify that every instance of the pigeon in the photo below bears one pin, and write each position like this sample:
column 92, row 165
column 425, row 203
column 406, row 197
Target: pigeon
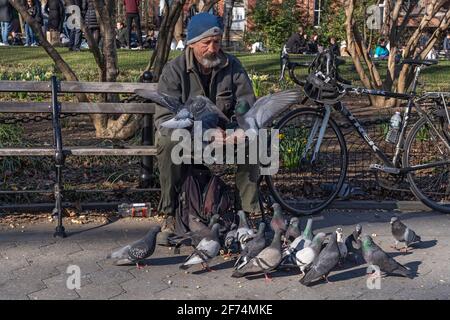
column 206, row 250
column 197, row 108
column 244, row 232
column 402, row 233
column 353, row 242
column 266, row 261
column 375, row 256
column 324, row 263
column 253, row 248
column 265, row 109
column 136, row 252
column 305, row 257
column 193, row 238
column 341, row 244
column 293, row 230
column 298, row 244
column 231, row 242
column 278, row 222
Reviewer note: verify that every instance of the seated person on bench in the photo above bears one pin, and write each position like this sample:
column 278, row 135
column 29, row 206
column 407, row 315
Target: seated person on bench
column 202, row 69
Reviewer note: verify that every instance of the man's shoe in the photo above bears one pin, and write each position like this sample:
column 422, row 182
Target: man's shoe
column 167, row 230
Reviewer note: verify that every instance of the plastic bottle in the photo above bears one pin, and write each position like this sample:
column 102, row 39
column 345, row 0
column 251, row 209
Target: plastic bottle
column 135, row 210
column 394, row 129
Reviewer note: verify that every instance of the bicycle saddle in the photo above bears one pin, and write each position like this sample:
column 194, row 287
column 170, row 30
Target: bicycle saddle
column 417, row 62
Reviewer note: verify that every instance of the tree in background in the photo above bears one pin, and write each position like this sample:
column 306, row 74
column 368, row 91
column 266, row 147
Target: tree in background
column 274, row 22
column 397, row 16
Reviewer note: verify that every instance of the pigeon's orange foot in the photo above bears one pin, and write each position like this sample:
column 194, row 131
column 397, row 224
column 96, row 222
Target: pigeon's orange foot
column 268, row 278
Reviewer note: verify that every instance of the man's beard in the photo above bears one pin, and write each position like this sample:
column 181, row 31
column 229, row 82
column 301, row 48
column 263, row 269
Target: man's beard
column 210, row 61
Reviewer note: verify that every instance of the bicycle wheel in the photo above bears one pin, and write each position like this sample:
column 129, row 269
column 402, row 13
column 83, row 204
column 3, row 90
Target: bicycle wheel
column 423, row 146
column 301, row 186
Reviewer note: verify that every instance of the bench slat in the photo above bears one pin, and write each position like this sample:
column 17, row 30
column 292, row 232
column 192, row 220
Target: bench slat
column 81, row 151
column 75, row 86
column 82, row 107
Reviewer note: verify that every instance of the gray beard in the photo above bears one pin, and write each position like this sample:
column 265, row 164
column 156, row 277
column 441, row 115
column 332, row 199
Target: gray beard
column 210, row 63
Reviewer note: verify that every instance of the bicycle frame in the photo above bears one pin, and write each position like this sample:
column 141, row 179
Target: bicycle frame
column 391, row 166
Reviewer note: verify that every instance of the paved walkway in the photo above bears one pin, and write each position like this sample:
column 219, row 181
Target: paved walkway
column 33, row 265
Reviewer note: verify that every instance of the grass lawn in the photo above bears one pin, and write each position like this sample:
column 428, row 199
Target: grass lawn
column 16, row 60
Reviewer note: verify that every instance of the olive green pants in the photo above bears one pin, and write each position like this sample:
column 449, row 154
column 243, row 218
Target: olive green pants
column 170, row 176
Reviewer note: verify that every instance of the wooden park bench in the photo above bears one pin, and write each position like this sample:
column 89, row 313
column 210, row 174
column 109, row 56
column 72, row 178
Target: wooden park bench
column 59, row 151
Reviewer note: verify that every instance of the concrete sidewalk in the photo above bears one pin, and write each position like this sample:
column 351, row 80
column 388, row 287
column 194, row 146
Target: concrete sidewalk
column 33, row 264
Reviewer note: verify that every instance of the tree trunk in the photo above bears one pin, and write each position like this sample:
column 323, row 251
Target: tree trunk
column 228, row 17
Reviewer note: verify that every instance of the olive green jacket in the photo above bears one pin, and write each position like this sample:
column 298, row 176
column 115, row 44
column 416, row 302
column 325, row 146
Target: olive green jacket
column 180, row 78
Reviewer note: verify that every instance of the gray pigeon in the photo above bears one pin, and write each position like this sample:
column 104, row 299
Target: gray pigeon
column 265, row 109
column 353, row 243
column 278, row 222
column 324, row 263
column 244, row 232
column 193, row 238
column 375, row 256
column 293, row 230
column 341, row 245
column 265, row 262
column 402, row 233
column 253, row 248
column 136, row 252
column 305, row 257
column 207, row 249
column 198, row 108
column 298, row 244
column 231, row 242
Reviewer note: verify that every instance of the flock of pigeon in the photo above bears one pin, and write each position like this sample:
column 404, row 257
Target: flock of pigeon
column 285, row 247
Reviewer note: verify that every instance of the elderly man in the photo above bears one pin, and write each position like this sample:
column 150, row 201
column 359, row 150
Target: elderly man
column 202, row 69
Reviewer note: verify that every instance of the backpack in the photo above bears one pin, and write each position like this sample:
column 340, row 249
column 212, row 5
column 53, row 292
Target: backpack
column 202, row 195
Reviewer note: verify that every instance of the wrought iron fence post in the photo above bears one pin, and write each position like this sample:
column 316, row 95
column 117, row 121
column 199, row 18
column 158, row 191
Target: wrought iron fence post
column 147, row 177
column 59, row 157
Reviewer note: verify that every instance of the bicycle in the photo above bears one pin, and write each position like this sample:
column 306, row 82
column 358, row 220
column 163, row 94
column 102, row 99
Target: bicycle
column 320, row 156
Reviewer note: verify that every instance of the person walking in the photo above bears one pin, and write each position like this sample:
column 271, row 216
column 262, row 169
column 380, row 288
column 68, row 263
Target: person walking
column 5, row 21
column 132, row 13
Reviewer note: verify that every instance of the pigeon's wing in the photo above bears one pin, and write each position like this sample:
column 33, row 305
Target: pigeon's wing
column 122, row 253
column 411, row 236
column 164, row 100
column 267, row 108
column 305, row 256
column 384, row 261
column 201, row 105
column 266, row 260
column 323, row 265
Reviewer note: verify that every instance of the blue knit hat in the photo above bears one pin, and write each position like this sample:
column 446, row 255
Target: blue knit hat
column 203, row 25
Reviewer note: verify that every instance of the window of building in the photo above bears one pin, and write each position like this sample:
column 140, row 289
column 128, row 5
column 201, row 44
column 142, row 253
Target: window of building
column 318, row 6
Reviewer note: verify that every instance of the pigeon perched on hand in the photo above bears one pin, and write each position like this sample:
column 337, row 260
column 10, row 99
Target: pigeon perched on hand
column 353, row 242
column 265, row 262
column 198, row 108
column 137, row 251
column 402, row 233
column 207, row 249
column 265, row 109
column 375, row 256
column 305, row 257
column 253, row 248
column 324, row 263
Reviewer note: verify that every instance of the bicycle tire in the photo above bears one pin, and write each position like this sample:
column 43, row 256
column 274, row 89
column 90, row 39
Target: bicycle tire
column 421, row 141
column 310, row 176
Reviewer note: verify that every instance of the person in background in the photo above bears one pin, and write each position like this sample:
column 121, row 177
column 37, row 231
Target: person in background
column 381, row 50
column 313, row 44
column 44, row 15
column 6, row 15
column 75, row 31
column 33, row 9
column 334, row 46
column 150, row 40
column 91, row 21
column 121, row 35
column 447, row 46
column 296, row 43
column 132, row 13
